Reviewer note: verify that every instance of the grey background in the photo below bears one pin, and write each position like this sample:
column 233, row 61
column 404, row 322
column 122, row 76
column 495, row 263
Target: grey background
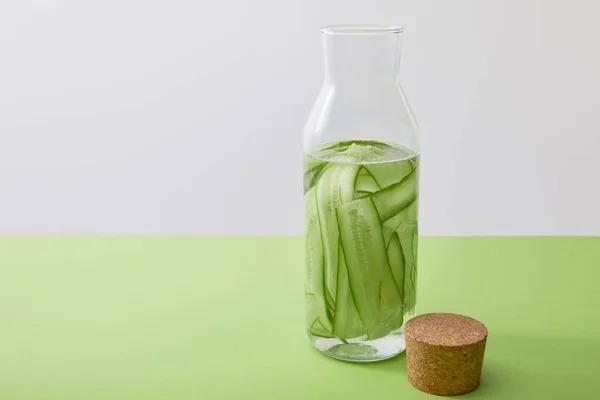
column 186, row 117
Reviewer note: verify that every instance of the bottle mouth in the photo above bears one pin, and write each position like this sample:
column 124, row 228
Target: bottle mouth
column 362, row 30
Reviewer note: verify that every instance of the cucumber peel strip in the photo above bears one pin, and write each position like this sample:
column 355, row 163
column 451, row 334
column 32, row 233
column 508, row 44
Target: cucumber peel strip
column 376, row 296
column 334, row 188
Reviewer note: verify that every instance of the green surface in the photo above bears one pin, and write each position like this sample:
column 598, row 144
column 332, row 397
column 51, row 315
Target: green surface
column 223, row 318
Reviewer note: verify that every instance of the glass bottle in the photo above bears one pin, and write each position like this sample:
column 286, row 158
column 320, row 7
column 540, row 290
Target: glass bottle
column 361, row 174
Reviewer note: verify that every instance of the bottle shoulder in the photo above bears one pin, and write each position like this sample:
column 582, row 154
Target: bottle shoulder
column 363, row 112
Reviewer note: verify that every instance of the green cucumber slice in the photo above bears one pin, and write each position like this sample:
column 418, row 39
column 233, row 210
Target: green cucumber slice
column 397, row 262
column 372, row 283
column 312, row 175
column 365, row 183
column 334, row 188
column 395, row 198
column 408, row 236
column 387, row 174
column 407, row 216
column 414, row 274
column 314, row 264
column 346, row 323
column 317, row 329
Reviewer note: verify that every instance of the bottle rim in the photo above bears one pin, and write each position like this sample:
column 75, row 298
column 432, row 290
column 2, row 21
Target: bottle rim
column 362, row 30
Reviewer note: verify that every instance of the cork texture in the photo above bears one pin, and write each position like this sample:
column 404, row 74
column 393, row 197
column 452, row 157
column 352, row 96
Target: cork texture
column 444, row 353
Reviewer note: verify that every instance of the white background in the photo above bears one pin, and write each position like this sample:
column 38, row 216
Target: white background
column 185, row 117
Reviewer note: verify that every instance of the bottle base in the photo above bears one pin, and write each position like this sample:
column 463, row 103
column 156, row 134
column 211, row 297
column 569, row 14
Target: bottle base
column 357, row 350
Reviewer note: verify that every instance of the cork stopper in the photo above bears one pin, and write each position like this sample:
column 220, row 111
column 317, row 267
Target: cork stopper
column 444, row 353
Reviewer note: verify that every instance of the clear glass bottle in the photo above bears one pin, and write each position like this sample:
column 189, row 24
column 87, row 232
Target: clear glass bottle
column 361, row 174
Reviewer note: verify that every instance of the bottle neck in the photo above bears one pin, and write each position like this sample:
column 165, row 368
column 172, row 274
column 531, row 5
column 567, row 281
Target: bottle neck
column 364, row 59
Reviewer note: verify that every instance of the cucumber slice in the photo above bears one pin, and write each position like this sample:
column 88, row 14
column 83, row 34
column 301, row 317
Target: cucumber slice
column 372, row 283
column 312, row 175
column 317, row 329
column 414, row 274
column 397, row 262
column 408, row 236
column 334, row 188
column 387, row 174
column 365, row 183
column 346, row 323
column 393, row 199
column 340, row 147
column 407, row 216
column 367, row 152
column 314, row 264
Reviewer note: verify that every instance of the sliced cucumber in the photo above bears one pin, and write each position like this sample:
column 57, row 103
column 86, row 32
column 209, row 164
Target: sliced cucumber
column 342, row 146
column 361, row 238
column 414, row 274
column 387, row 174
column 372, row 283
column 317, row 329
column 395, row 198
column 407, row 216
column 365, row 183
column 346, row 323
column 408, row 235
column 365, row 152
column 397, row 262
column 312, row 175
column 335, row 187
column 314, row 264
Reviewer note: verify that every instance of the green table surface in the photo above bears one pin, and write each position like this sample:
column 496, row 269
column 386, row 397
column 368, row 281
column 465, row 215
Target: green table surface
column 222, row 318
